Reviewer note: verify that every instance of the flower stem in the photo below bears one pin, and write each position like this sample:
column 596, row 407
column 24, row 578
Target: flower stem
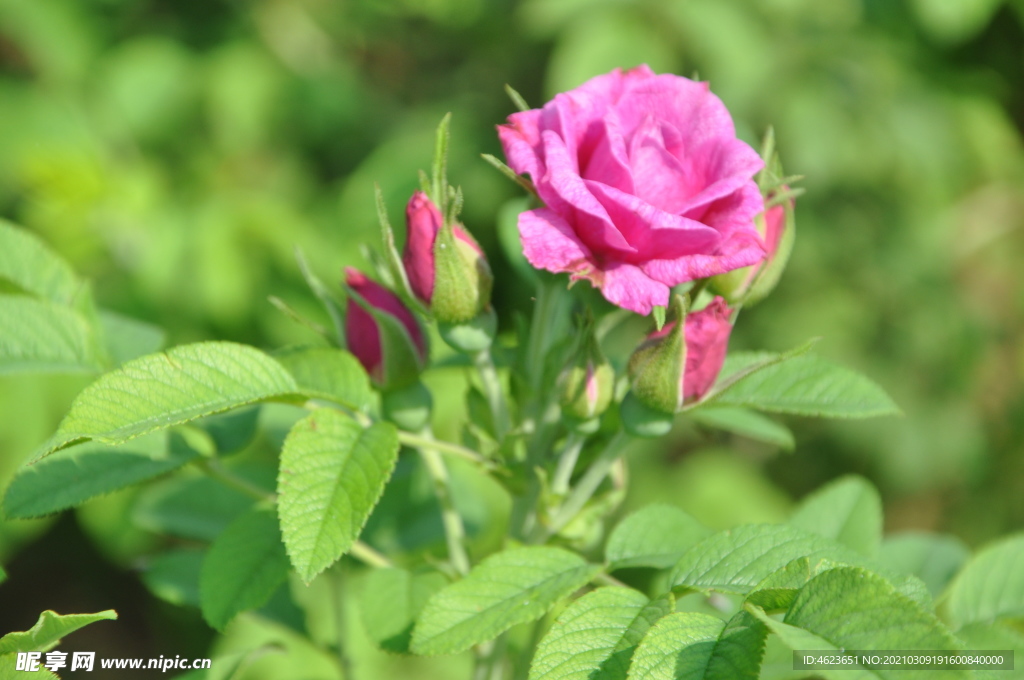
column 567, row 463
column 369, row 556
column 454, row 530
column 338, row 581
column 586, row 487
column 419, row 442
column 217, row 471
column 493, row 392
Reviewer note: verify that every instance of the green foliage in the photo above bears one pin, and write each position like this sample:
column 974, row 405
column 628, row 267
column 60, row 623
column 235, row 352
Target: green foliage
column 934, row 558
column 847, row 510
column 48, row 631
column 747, row 423
column 990, row 586
column 692, row 646
column 174, row 576
column 654, row 536
column 405, row 593
column 328, row 373
column 41, row 336
column 510, row 587
column 243, row 567
column 333, row 472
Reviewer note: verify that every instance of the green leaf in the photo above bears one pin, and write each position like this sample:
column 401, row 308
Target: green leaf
column 170, row 388
column 990, row 586
column 746, row 423
column 174, row 576
column 405, row 593
column 231, row 431
column 994, row 636
column 595, row 637
column 848, row 510
column 30, row 265
column 736, row 560
column 76, row 474
column 329, row 373
column 49, row 630
column 679, row 647
column 333, row 472
column 510, row 587
column 3, row 575
column 41, row 336
column 9, row 662
column 654, row 536
column 128, row 338
column 852, row 608
column 243, row 567
column 808, row 386
column 196, row 507
column 934, row 558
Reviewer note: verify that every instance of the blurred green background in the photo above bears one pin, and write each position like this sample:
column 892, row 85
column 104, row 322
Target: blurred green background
column 177, row 151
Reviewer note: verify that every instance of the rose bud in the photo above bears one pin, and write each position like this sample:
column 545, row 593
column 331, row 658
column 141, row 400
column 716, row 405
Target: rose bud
column 587, row 383
column 447, row 269
column 382, row 333
column 750, row 285
column 680, row 362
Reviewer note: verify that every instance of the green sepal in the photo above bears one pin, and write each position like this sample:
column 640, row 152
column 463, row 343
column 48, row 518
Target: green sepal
column 401, row 361
column 587, row 383
column 766, row 279
column 657, row 367
column 462, row 279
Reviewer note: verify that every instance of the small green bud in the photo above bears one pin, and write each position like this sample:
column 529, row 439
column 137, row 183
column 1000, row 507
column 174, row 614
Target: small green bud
column 658, row 364
column 462, row 279
column 587, row 384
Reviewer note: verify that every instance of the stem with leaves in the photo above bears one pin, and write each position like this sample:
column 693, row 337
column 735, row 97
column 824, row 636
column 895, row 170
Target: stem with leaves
column 451, row 520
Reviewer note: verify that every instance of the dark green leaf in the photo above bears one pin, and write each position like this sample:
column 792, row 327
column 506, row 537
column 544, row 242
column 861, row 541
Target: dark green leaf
column 405, row 593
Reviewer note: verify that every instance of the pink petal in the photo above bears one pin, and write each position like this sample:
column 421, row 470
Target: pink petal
column 423, row 221
column 520, row 139
column 661, row 179
column 730, row 164
column 707, row 339
column 688, row 105
column 550, row 243
column 628, row 287
column 608, row 163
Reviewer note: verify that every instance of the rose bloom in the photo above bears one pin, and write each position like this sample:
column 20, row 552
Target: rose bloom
column 645, row 184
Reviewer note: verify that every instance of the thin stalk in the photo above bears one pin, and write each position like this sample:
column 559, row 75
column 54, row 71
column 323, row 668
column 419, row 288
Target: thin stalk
column 217, row 471
column 338, row 581
column 490, row 659
column 454, row 530
column 419, row 442
column 567, row 463
column 493, row 392
column 369, row 556
column 585, row 488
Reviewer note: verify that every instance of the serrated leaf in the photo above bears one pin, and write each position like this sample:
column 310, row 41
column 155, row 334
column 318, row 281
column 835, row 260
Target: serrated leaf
column 809, row 386
column 679, row 647
column 990, row 586
column 29, row 264
column 78, row 473
column 746, row 423
column 852, row 608
column 174, row 576
column 197, row 507
column 9, row 664
column 848, row 510
column 333, row 472
column 405, row 593
column 48, row 631
column 242, row 568
column 170, row 388
column 329, row 373
column 654, row 536
column 596, row 636
column 42, row 336
column 510, row 587
column 934, row 558
column 736, row 560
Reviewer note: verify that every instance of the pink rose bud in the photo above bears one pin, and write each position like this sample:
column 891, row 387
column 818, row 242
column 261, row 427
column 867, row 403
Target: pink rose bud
column 382, row 333
column 446, row 270
column 681, row 362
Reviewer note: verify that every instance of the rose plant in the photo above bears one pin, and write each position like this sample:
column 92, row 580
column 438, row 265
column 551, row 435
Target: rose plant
column 641, row 188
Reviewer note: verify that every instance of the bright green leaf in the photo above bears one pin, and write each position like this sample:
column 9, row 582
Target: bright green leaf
column 994, row 636
column 746, row 423
column 49, row 630
column 242, row 568
column 329, row 373
column 679, row 647
column 848, row 510
column 809, row 386
column 9, row 662
column 78, row 473
column 990, row 586
column 510, row 587
column 333, row 472
column 595, row 637
column 170, row 388
column 934, row 558
column 405, row 593
column 41, row 336
column 654, row 536
column 30, row 265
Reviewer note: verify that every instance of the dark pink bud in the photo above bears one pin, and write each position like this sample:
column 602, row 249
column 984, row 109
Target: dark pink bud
column 707, row 338
column 363, row 332
column 423, row 221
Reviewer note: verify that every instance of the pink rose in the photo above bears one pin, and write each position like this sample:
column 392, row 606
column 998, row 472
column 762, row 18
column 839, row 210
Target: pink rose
column 645, row 184
column 423, row 221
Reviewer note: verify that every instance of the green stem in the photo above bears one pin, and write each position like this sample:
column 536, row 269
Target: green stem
column 454, row 530
column 217, row 471
column 490, row 659
column 567, row 463
column 585, row 488
column 419, row 442
column 338, row 581
column 493, row 392
column 369, row 556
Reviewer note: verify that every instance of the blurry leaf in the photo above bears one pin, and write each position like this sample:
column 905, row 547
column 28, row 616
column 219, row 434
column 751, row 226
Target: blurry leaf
column 654, row 536
column 49, row 630
column 746, row 423
column 809, row 386
column 695, row 646
column 994, row 636
column 848, row 510
column 333, row 471
column 596, row 636
column 851, row 608
column 508, row 238
column 170, row 388
column 8, row 665
column 990, row 586
column 510, row 587
column 29, row 264
column 955, row 21
column 174, row 576
column 128, row 338
column 405, row 593
column 195, row 507
column 242, row 568
column 231, row 431
column 329, row 373
column 41, row 336
column 736, row 560
column 934, row 558
column 78, row 473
